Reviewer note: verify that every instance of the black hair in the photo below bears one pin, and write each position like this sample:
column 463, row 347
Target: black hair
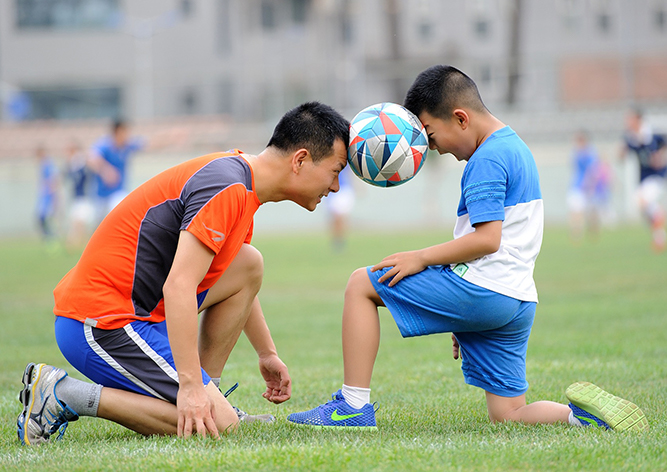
column 313, row 126
column 440, row 89
column 117, row 124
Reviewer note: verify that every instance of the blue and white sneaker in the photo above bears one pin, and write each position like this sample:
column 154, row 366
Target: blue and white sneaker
column 593, row 406
column 337, row 414
column 43, row 413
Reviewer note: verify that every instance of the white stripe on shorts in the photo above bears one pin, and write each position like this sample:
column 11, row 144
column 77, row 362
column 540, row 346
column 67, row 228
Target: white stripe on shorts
column 157, row 358
column 88, row 330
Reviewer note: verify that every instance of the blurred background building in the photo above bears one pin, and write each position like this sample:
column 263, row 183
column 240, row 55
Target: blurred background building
column 223, row 71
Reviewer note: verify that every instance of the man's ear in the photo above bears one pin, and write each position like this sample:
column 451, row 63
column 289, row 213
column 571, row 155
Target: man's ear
column 462, row 118
column 299, row 158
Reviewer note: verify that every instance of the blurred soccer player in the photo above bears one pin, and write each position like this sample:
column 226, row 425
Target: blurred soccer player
column 650, row 150
column 47, row 197
column 478, row 286
column 179, row 245
column 109, row 158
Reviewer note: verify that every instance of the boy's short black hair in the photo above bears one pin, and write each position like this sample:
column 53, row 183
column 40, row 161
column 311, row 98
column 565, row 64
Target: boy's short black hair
column 313, row 126
column 440, row 89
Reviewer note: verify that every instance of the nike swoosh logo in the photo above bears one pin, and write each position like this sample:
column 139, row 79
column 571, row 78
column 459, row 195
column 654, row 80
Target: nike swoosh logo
column 336, row 417
column 587, row 420
column 220, row 234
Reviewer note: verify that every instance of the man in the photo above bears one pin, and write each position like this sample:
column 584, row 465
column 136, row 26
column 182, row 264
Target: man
column 649, row 147
column 108, row 160
column 126, row 314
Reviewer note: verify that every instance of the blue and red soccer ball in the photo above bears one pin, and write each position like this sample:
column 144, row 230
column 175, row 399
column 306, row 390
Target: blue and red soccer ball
column 388, row 145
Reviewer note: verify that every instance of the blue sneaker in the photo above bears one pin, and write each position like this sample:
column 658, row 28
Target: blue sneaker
column 593, row 406
column 43, row 413
column 337, row 414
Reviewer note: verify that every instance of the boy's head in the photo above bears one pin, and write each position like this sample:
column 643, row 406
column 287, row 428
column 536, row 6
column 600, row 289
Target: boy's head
column 312, row 126
column 439, row 90
column 449, row 106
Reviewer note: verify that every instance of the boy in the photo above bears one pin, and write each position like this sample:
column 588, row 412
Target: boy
column 479, row 286
column 126, row 314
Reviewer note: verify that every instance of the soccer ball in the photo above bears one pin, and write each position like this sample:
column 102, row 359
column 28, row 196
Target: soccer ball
column 387, row 145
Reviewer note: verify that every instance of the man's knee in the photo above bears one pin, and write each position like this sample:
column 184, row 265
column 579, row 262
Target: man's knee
column 250, row 264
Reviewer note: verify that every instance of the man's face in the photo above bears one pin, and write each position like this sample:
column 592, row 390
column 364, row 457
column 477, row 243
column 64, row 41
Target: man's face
column 443, row 135
column 316, row 180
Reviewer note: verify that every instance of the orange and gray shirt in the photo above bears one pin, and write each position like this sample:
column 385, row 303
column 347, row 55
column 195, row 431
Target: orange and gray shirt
column 121, row 272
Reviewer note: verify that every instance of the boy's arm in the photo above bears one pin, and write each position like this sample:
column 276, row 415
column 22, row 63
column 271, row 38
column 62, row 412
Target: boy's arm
column 274, row 371
column 481, row 242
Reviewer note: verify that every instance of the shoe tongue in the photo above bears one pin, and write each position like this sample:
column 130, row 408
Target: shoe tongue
column 338, row 395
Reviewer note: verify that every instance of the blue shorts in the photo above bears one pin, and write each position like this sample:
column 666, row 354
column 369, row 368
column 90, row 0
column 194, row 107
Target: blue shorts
column 136, row 357
column 492, row 329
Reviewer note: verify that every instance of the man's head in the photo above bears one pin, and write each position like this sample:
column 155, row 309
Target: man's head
column 119, row 131
column 306, row 153
column 312, row 126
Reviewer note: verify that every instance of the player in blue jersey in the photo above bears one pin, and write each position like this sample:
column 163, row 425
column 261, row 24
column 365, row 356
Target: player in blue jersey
column 109, row 158
column 478, row 286
column 47, row 198
column 650, row 149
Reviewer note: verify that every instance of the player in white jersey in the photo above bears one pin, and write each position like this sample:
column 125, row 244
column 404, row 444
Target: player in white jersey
column 478, row 286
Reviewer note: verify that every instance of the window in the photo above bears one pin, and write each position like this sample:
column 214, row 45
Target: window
column 660, row 17
column 73, row 103
column 268, row 15
column 67, row 14
column 300, row 11
column 481, row 28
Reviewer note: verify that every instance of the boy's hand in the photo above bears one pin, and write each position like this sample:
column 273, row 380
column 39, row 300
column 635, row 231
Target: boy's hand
column 456, row 350
column 278, row 381
column 402, row 264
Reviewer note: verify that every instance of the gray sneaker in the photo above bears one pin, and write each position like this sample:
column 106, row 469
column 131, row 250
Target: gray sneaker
column 43, row 413
column 245, row 417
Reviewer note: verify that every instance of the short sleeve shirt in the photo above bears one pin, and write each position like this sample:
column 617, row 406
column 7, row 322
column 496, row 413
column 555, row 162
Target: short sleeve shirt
column 121, row 272
column 500, row 183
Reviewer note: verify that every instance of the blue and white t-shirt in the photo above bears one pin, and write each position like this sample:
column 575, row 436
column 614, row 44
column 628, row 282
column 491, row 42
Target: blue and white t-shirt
column 501, row 183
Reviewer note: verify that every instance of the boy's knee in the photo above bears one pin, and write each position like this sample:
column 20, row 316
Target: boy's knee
column 357, row 282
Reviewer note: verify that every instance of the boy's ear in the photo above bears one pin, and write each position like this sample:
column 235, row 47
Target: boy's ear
column 462, row 118
column 299, row 157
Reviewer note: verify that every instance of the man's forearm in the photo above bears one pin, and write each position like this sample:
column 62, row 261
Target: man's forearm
column 258, row 332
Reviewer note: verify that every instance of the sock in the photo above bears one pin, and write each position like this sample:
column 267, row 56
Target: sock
column 82, row 397
column 573, row 420
column 216, row 381
column 356, row 397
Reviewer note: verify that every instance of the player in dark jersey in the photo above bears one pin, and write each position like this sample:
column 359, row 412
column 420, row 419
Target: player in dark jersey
column 126, row 314
column 650, row 150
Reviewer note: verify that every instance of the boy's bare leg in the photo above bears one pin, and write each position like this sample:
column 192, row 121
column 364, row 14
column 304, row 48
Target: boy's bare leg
column 361, row 329
column 515, row 409
column 148, row 415
column 227, row 307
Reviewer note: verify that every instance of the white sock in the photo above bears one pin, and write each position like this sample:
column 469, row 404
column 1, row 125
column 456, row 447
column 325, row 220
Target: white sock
column 574, row 421
column 216, row 381
column 356, row 397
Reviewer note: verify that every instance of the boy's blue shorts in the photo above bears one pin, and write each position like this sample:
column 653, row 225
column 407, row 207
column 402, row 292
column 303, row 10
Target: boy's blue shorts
column 136, row 357
column 492, row 329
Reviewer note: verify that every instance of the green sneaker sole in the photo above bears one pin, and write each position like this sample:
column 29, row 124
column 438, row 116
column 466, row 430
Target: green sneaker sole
column 619, row 414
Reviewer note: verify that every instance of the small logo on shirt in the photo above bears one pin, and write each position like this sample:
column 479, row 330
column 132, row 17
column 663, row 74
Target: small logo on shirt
column 460, row 269
column 220, row 237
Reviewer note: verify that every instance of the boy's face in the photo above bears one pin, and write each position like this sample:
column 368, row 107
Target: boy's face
column 444, row 136
column 318, row 179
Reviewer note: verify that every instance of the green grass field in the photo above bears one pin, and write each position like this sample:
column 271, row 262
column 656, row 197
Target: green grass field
column 602, row 318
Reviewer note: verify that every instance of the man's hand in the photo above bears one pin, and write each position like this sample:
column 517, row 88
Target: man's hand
column 278, row 381
column 402, row 263
column 456, row 349
column 195, row 408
